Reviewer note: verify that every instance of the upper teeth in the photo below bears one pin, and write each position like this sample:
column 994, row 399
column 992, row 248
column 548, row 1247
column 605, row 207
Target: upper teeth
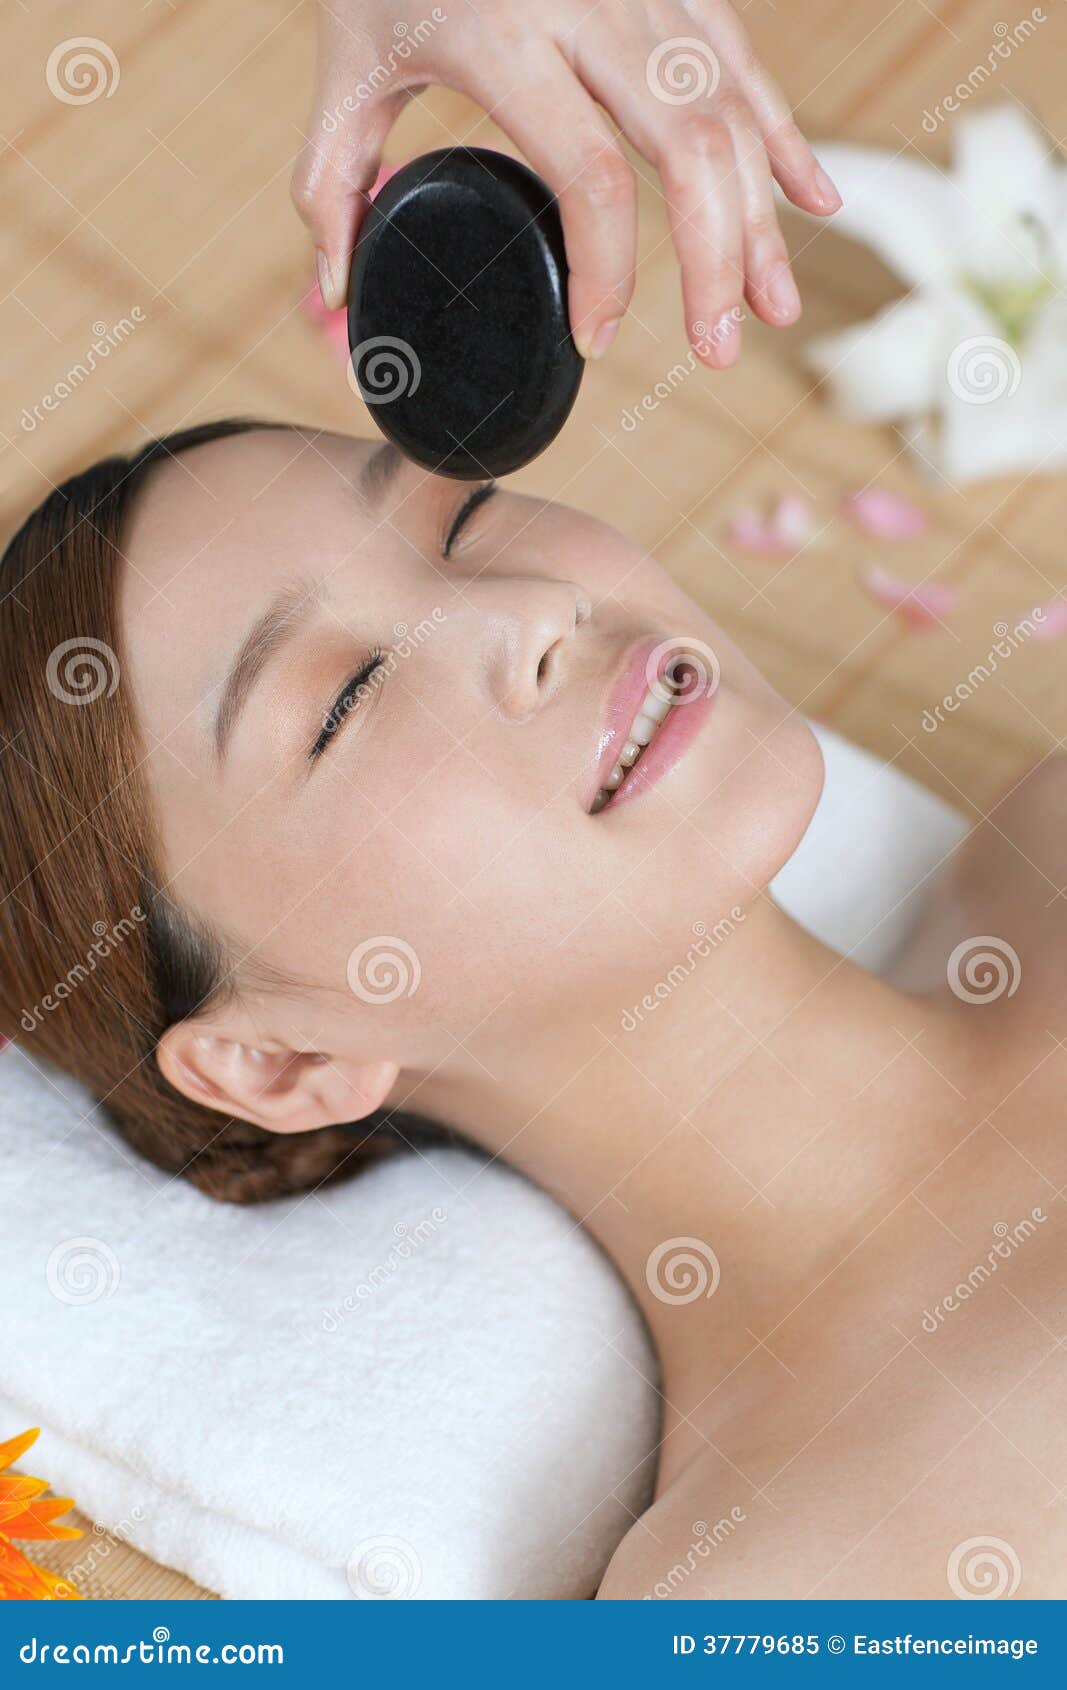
column 653, row 711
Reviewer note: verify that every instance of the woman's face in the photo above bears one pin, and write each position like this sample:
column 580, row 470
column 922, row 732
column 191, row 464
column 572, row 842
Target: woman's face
column 442, row 811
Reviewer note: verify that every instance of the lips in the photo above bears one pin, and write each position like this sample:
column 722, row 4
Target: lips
column 652, row 717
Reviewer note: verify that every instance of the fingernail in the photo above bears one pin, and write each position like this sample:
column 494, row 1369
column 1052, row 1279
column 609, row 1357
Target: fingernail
column 603, row 338
column 782, row 291
column 727, row 339
column 326, row 286
column 826, row 190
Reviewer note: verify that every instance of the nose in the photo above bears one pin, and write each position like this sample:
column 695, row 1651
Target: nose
column 526, row 635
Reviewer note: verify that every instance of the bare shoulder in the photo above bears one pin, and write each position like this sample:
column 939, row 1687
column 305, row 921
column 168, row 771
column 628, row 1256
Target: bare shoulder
column 1006, row 884
column 952, row 1508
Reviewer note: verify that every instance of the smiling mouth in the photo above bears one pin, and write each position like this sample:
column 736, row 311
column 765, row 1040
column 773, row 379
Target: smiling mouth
column 651, row 714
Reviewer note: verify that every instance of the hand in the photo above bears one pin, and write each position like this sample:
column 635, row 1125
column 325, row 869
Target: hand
column 689, row 95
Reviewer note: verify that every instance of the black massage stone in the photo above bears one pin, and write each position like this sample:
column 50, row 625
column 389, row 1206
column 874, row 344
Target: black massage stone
column 457, row 314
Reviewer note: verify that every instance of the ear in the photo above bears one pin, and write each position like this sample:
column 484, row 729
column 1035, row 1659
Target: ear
column 284, row 1090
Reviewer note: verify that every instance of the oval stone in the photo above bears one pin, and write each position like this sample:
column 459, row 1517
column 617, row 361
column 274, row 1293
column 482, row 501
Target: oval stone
column 457, row 313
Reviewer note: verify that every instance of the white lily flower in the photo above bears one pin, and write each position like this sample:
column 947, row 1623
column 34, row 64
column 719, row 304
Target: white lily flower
column 972, row 361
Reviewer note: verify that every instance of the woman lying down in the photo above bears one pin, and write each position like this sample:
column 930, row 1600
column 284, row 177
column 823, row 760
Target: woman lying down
column 409, row 796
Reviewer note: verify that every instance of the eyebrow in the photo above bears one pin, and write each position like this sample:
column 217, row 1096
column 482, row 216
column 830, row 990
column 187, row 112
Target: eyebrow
column 285, row 614
column 379, row 470
column 290, row 608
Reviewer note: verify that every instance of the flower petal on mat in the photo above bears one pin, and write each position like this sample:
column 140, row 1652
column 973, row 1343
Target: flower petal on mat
column 1053, row 624
column 19, row 1577
column 886, row 515
column 14, row 1447
column 922, row 605
column 793, row 521
column 750, row 533
column 790, row 526
column 39, row 1520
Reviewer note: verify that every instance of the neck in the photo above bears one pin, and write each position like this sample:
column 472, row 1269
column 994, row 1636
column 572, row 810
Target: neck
column 771, row 1106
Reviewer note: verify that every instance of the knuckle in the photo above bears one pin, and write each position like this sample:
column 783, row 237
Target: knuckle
column 705, row 137
column 763, row 231
column 607, row 180
column 733, row 109
column 787, row 134
column 301, row 190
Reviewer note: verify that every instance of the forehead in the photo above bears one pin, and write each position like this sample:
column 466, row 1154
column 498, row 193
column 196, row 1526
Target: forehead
column 217, row 533
column 220, row 517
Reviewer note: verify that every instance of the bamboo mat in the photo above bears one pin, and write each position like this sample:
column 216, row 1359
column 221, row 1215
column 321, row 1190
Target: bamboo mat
column 170, row 195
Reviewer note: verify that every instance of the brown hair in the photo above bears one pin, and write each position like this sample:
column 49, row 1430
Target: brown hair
column 96, row 959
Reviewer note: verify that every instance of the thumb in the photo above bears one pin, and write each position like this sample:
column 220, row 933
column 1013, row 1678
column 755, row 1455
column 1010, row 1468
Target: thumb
column 334, row 173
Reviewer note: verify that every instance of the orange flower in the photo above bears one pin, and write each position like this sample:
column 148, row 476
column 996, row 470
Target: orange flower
column 25, row 1513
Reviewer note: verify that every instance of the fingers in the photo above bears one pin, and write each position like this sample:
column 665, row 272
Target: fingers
column 665, row 97
column 557, row 126
column 698, row 170
column 334, row 172
column 770, row 288
column 794, row 165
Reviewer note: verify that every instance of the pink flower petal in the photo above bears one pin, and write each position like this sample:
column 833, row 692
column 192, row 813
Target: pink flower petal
column 793, row 521
column 750, row 533
column 334, row 324
column 886, row 515
column 1053, row 623
column 789, row 527
column 922, row 606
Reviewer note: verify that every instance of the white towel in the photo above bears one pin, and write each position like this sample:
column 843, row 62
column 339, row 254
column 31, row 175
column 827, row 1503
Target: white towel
column 425, row 1382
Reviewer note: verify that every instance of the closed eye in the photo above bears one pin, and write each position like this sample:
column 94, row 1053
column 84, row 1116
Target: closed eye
column 345, row 702
column 466, row 510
